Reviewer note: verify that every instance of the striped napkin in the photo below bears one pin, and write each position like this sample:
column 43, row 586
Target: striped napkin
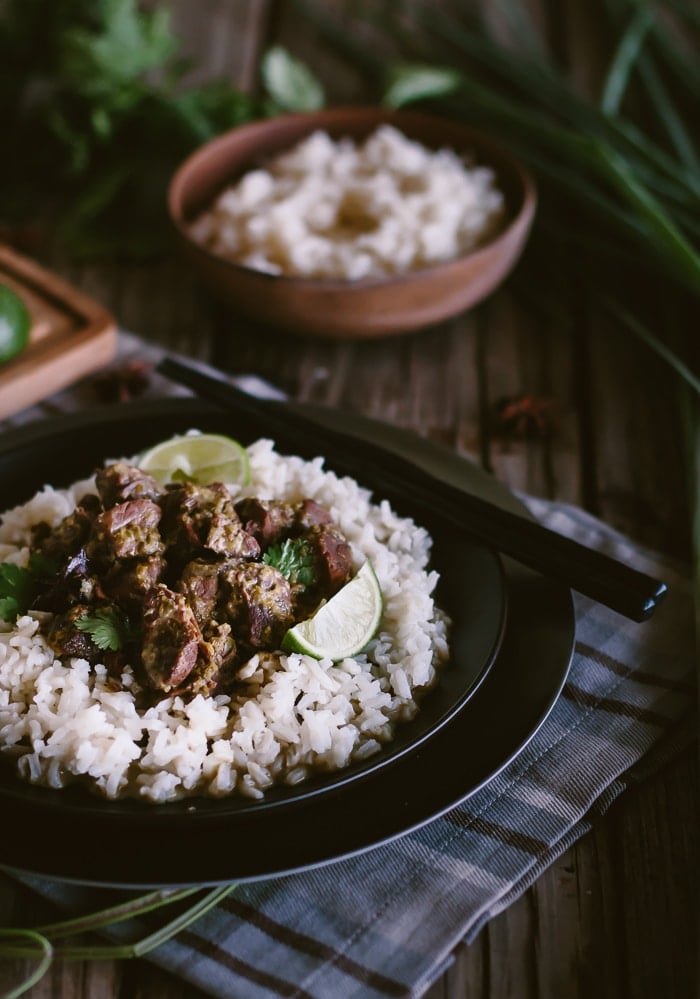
column 386, row 922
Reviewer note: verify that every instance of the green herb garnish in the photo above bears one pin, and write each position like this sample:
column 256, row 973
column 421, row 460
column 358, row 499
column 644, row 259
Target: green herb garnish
column 294, row 558
column 16, row 590
column 106, row 627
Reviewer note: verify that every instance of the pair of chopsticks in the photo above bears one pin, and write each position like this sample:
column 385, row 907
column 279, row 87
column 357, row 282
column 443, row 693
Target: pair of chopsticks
column 609, row 582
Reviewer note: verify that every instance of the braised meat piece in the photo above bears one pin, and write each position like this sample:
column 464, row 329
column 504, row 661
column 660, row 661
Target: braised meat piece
column 57, row 543
column 216, row 664
column 199, row 583
column 171, row 638
column 258, row 602
column 120, row 482
column 309, row 513
column 128, row 582
column 333, row 557
column 66, row 639
column 267, row 520
column 127, row 530
column 197, row 518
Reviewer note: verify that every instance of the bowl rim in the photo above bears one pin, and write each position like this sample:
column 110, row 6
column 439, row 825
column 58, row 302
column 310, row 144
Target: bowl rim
column 520, row 220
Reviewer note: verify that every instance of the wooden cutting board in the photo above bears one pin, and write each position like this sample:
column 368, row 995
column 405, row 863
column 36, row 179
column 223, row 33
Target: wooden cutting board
column 70, row 336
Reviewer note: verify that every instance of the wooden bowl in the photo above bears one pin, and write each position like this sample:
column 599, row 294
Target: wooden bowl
column 343, row 308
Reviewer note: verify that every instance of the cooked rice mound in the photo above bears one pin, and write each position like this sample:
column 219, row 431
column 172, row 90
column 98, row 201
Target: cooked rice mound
column 289, row 717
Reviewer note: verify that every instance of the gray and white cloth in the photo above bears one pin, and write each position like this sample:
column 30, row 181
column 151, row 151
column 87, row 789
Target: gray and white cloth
column 386, row 922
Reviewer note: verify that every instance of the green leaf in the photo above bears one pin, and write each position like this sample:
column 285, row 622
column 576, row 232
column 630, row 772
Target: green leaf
column 289, row 83
column 627, row 53
column 294, row 558
column 408, row 83
column 130, row 43
column 105, row 627
column 16, row 588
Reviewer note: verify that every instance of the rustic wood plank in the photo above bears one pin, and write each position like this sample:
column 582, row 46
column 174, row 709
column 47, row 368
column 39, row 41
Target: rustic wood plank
column 223, row 38
column 638, row 443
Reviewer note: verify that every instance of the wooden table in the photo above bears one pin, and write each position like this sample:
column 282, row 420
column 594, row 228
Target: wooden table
column 615, row 916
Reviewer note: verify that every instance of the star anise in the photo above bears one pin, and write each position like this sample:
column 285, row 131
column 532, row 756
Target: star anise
column 526, row 417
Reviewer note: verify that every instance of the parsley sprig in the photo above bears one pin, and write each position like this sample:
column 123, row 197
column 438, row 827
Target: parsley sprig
column 294, row 558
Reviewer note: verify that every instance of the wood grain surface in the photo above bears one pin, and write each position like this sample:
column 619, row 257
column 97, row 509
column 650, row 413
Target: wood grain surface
column 616, row 915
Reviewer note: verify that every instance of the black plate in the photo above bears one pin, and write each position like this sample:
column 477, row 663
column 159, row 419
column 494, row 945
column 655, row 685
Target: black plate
column 437, row 760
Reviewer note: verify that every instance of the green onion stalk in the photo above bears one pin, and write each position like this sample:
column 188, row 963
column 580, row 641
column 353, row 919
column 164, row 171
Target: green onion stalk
column 39, row 944
column 618, row 171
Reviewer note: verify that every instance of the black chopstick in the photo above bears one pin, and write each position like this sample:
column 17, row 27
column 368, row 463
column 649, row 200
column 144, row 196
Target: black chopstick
column 603, row 579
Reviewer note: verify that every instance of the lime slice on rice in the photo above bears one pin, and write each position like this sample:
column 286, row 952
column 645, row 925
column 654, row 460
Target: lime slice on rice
column 200, row 458
column 343, row 626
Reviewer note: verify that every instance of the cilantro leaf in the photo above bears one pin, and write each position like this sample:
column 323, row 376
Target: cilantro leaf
column 294, row 558
column 105, row 627
column 16, row 589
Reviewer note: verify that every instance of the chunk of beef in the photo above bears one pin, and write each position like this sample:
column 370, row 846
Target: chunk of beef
column 171, row 638
column 68, row 537
column 216, row 664
column 333, row 557
column 199, row 584
column 120, row 482
column 197, row 518
column 71, row 583
column 309, row 513
column 127, row 530
column 258, row 602
column 66, row 639
column 267, row 520
column 128, row 582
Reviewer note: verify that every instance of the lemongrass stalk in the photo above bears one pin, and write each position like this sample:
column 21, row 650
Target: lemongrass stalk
column 116, row 913
column 45, row 954
column 624, row 59
column 678, row 250
column 667, row 114
column 660, row 348
column 146, row 944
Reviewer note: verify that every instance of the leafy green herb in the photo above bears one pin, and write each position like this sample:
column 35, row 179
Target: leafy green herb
column 290, row 83
column 106, row 628
column 16, row 589
column 93, row 95
column 408, row 83
column 294, row 558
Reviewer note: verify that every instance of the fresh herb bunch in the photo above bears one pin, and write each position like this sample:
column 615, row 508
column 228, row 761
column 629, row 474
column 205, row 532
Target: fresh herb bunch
column 96, row 116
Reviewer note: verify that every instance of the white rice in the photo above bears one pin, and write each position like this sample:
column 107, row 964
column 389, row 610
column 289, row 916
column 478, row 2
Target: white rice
column 290, row 717
column 341, row 210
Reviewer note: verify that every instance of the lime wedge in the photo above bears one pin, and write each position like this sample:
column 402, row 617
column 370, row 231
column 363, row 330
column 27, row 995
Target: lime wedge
column 14, row 324
column 344, row 625
column 200, row 458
